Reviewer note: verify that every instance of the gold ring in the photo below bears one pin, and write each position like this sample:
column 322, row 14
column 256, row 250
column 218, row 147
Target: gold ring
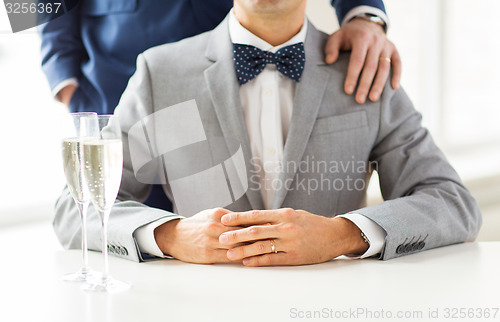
column 385, row 58
column 273, row 246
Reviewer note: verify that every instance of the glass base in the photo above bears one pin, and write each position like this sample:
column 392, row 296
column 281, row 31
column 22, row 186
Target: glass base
column 81, row 276
column 109, row 285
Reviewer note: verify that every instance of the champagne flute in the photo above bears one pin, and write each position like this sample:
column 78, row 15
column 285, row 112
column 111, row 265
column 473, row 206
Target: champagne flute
column 103, row 158
column 84, row 125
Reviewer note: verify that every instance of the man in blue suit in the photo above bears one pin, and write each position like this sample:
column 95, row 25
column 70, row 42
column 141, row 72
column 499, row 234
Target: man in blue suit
column 89, row 53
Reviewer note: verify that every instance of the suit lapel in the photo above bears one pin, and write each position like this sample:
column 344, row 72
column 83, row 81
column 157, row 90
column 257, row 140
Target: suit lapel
column 225, row 94
column 308, row 96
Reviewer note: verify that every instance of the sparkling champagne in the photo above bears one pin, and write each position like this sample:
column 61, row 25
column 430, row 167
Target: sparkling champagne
column 103, row 170
column 73, row 169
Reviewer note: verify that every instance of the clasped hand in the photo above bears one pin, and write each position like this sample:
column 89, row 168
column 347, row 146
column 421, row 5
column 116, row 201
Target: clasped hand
column 259, row 237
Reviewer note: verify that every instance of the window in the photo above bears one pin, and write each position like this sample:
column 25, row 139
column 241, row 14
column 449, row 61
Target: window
column 32, row 175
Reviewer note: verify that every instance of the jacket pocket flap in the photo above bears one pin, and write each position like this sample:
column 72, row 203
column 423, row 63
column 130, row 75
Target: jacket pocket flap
column 340, row 123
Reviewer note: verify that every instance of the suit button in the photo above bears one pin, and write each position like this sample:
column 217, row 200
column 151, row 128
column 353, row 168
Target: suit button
column 421, row 245
column 407, row 248
column 400, row 249
column 125, row 251
column 414, row 247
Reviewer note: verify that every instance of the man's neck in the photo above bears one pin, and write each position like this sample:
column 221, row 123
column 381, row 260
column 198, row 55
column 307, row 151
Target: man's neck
column 275, row 29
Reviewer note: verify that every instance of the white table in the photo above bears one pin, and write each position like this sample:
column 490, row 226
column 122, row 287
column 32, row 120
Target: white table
column 460, row 276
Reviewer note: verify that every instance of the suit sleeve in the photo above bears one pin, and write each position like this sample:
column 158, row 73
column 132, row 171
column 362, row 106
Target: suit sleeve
column 343, row 7
column 426, row 204
column 62, row 49
column 128, row 213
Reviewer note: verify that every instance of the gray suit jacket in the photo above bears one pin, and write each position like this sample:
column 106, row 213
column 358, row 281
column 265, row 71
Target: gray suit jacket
column 426, row 205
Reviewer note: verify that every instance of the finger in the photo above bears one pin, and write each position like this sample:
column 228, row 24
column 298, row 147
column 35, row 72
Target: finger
column 254, row 249
column 332, row 47
column 213, row 243
column 384, row 67
column 218, row 245
column 254, row 217
column 396, row 69
column 369, row 70
column 217, row 213
column 356, row 62
column 218, row 256
column 248, row 234
column 280, row 258
column 215, row 229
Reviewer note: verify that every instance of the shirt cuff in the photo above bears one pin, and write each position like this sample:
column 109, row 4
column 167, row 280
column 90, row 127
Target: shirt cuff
column 375, row 234
column 145, row 237
column 63, row 84
column 360, row 10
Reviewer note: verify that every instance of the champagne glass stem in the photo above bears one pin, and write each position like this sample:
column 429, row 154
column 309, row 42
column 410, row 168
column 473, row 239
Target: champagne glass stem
column 82, row 207
column 105, row 250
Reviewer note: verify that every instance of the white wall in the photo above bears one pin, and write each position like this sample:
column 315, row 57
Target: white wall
column 31, row 171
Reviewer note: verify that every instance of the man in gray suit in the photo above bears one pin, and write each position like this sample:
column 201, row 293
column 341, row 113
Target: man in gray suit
column 266, row 159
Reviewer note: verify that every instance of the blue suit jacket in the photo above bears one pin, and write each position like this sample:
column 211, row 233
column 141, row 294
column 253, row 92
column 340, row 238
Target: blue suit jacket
column 98, row 41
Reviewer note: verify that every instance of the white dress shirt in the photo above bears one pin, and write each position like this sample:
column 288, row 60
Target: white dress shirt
column 267, row 103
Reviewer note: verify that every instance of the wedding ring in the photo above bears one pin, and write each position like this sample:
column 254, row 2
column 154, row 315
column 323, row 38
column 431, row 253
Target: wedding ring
column 385, row 58
column 273, row 247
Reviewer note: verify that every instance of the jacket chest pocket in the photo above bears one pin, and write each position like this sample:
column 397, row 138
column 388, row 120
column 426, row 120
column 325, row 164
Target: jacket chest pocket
column 338, row 123
column 105, row 7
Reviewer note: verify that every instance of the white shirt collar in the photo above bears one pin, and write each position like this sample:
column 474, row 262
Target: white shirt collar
column 241, row 35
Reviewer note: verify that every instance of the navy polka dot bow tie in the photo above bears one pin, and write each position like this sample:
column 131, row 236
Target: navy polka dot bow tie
column 250, row 61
